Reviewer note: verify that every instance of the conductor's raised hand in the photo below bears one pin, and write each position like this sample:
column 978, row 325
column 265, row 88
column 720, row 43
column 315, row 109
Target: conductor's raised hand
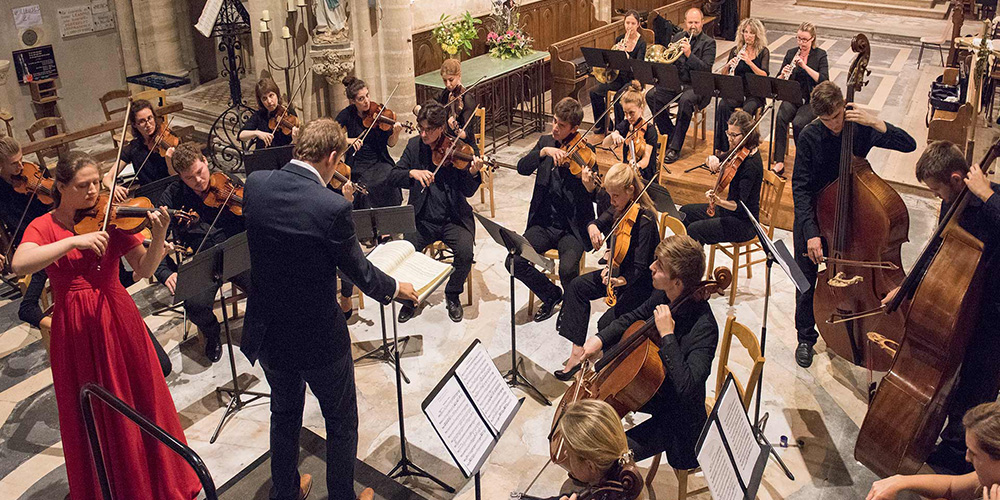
column 406, row 292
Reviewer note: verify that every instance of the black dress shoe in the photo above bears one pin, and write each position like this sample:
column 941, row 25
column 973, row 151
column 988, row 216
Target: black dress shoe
column 406, row 313
column 546, row 310
column 455, row 311
column 567, row 375
column 804, row 354
column 671, row 156
column 213, row 347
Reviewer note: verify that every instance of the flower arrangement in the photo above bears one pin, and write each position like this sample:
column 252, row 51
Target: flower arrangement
column 505, row 39
column 456, row 35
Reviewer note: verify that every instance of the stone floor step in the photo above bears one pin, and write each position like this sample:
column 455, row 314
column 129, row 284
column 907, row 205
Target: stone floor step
column 936, row 12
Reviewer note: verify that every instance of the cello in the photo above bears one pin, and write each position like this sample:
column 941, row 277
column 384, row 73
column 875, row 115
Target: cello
column 864, row 223
column 910, row 404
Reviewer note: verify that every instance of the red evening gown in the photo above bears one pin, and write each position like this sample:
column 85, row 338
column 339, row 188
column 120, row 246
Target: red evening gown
column 99, row 336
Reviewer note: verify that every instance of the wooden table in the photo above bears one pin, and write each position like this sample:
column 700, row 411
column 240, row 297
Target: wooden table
column 101, row 128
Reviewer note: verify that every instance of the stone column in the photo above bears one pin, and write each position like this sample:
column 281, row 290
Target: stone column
column 332, row 63
column 126, row 32
column 158, row 35
column 386, row 57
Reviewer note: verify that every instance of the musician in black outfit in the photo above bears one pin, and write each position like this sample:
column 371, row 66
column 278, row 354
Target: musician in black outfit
column 633, row 44
column 562, row 205
column 188, row 193
column 750, row 55
column 943, row 169
column 258, row 129
column 730, row 223
column 698, row 55
column 688, row 335
column 631, row 278
column 438, row 196
column 809, row 71
column 634, row 106
column 148, row 166
column 459, row 110
column 13, row 213
column 817, row 164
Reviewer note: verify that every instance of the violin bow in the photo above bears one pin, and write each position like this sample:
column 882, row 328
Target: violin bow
column 290, row 97
column 156, row 143
column 454, row 143
column 385, row 105
column 611, row 106
column 20, row 222
column 222, row 208
column 459, row 96
column 118, row 159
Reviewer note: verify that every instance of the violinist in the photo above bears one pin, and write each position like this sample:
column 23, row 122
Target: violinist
column 368, row 157
column 259, row 128
column 146, row 152
column 942, row 167
column 817, row 164
column 13, row 204
column 687, row 342
column 642, row 135
column 99, row 336
column 632, row 43
column 730, row 223
column 440, row 203
column 459, row 110
column 629, row 275
column 562, row 206
column 750, row 55
column 188, row 192
column 807, row 64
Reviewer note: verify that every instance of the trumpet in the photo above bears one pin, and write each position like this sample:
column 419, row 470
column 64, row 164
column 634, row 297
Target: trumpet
column 669, row 54
column 730, row 67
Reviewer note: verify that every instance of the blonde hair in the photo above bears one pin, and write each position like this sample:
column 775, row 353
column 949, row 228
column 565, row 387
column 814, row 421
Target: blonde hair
column 623, row 177
column 593, row 432
column 451, row 67
column 984, row 422
column 683, row 257
column 318, row 139
column 760, row 38
column 8, row 148
column 633, row 95
column 811, row 29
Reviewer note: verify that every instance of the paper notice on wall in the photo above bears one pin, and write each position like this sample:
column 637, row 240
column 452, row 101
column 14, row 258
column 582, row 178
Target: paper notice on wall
column 27, row 16
column 75, row 21
column 103, row 18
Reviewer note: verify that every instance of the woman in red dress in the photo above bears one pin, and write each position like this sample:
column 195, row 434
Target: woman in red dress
column 99, row 336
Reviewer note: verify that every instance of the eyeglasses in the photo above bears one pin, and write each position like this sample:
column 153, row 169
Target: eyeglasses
column 143, row 121
column 808, row 39
column 427, row 129
column 732, row 135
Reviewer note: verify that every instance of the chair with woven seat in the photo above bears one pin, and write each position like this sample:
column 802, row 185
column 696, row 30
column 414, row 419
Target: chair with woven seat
column 752, row 346
column 553, row 276
column 439, row 251
column 487, row 174
column 40, row 125
column 770, row 196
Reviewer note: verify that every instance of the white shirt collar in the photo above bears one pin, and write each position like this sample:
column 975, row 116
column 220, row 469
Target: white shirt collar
column 309, row 168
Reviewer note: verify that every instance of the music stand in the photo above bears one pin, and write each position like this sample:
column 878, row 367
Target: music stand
column 666, row 76
column 516, row 245
column 642, row 71
column 212, row 267
column 616, row 59
column 777, row 90
column 155, row 188
column 593, row 57
column 663, row 202
column 267, row 158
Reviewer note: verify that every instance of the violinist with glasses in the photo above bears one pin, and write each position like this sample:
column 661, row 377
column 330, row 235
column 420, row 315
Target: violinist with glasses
column 274, row 124
column 148, row 152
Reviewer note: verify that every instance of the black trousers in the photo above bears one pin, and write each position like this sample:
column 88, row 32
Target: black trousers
column 724, row 227
column 686, row 106
column 576, row 306
column 598, row 101
column 724, row 111
column 543, row 239
column 333, row 386
column 805, row 321
column 201, row 308
column 459, row 239
column 661, row 434
column 799, row 115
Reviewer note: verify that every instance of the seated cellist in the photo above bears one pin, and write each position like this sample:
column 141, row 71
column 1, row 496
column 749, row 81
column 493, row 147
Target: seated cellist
column 688, row 337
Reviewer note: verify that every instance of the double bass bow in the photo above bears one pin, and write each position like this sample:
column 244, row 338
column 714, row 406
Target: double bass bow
column 946, row 288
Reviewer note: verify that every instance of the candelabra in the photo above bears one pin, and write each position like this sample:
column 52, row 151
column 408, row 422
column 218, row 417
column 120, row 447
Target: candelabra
column 293, row 49
column 224, row 147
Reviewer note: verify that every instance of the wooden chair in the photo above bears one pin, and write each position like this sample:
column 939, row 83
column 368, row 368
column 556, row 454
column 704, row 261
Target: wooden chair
column 487, row 184
column 117, row 112
column 935, row 42
column 662, row 152
column 7, row 120
column 439, row 251
column 770, row 195
column 699, row 118
column 154, row 96
column 553, row 276
column 40, row 125
column 673, row 223
column 749, row 342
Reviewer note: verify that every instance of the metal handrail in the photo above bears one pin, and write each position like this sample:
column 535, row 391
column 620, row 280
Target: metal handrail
column 148, row 427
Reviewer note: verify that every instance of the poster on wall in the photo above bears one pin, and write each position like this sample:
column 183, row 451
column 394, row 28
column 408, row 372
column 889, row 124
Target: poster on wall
column 33, row 64
column 27, row 16
column 103, row 18
column 75, row 21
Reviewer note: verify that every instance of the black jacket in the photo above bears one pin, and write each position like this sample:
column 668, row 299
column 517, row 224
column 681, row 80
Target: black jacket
column 578, row 201
column 457, row 184
column 701, row 59
column 817, row 61
column 468, row 106
column 645, row 235
column 300, row 233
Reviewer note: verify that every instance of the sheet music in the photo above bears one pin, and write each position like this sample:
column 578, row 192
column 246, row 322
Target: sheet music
column 459, row 426
column 719, row 474
column 487, row 388
column 736, row 428
column 401, row 261
column 208, row 16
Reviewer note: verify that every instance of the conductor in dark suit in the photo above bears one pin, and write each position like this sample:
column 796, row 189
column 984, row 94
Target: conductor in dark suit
column 698, row 55
column 300, row 234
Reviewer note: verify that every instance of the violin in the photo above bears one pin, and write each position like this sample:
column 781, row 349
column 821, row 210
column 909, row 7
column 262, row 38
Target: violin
column 164, row 141
column 621, row 483
column 635, row 141
column 621, row 238
column 342, row 175
column 458, row 154
column 726, row 174
column 283, row 120
column 223, row 192
column 128, row 216
column 384, row 118
column 456, row 104
column 578, row 157
column 31, row 180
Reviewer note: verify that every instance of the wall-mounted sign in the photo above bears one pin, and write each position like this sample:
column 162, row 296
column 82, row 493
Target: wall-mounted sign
column 75, row 21
column 27, row 16
column 34, row 64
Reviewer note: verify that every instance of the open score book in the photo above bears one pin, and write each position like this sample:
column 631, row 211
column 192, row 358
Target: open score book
column 404, row 263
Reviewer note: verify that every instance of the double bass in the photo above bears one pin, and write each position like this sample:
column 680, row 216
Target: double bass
column 910, row 404
column 864, row 223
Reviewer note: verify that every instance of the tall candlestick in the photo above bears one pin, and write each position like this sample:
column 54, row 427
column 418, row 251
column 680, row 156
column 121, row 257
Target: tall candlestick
column 285, row 33
column 265, row 16
column 291, row 5
column 263, row 27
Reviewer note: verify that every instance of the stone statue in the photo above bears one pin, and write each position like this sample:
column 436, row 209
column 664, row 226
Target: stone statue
column 331, row 22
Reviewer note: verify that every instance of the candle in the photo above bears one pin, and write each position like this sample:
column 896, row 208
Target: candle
column 301, row 3
column 291, row 5
column 265, row 16
column 263, row 27
column 285, row 33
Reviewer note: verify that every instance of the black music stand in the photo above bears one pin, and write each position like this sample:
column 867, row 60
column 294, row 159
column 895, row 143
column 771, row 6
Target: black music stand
column 666, row 76
column 663, row 202
column 767, row 87
column 642, row 71
column 706, row 84
column 213, row 267
column 516, row 245
column 593, row 57
column 267, row 158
